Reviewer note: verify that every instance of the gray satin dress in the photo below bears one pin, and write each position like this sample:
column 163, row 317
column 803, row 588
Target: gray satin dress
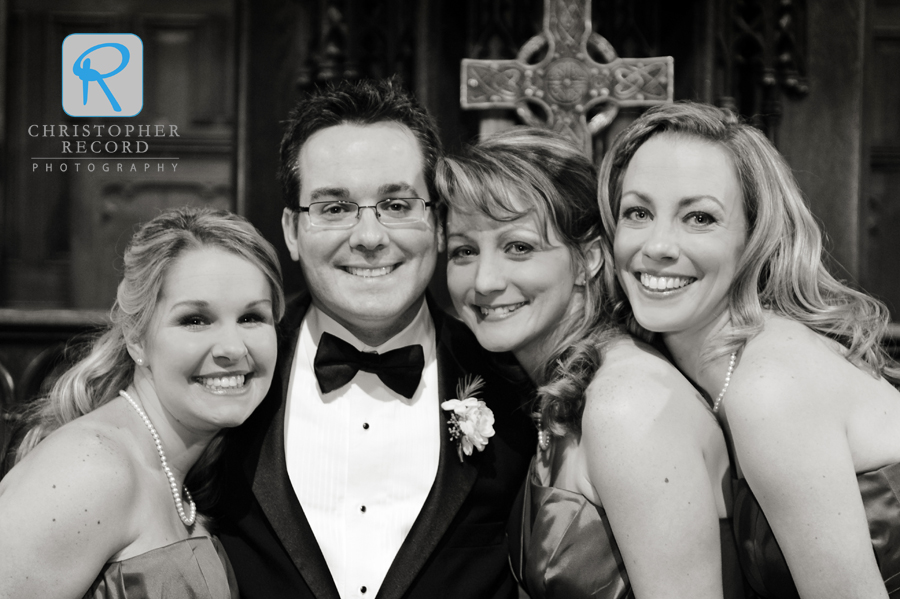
column 562, row 547
column 764, row 564
column 195, row 568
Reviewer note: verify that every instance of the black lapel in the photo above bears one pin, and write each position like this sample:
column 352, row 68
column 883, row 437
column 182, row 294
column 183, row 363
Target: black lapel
column 271, row 484
column 452, row 483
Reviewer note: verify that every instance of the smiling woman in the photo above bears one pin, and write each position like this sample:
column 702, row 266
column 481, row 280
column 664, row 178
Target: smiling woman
column 210, row 341
column 139, row 419
column 681, row 232
column 624, row 498
column 718, row 253
column 517, row 281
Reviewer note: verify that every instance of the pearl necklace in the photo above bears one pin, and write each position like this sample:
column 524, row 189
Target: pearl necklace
column 727, row 380
column 179, row 505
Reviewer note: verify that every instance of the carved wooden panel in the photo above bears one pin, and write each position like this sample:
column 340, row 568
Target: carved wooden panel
column 348, row 39
column 107, row 207
column 63, row 220
column 760, row 54
column 881, row 204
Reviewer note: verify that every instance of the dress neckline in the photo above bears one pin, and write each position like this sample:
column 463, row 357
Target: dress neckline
column 212, row 540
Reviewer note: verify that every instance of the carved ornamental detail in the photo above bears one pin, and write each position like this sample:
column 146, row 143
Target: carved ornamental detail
column 761, row 56
column 567, row 78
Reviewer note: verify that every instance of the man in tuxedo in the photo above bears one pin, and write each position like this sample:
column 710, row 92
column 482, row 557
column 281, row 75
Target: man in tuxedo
column 347, row 481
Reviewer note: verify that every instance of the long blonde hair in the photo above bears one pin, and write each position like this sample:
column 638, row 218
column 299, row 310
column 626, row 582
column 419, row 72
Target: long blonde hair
column 781, row 268
column 106, row 366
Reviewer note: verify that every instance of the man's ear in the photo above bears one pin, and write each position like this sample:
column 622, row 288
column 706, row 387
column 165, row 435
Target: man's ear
column 290, row 222
column 593, row 255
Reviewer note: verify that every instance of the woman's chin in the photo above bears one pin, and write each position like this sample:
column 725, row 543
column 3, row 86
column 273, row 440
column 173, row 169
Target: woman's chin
column 493, row 343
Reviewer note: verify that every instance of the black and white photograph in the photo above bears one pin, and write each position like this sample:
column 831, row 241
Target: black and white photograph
column 449, row 299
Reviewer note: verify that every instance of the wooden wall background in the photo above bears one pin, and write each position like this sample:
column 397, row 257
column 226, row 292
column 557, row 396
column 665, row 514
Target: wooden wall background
column 819, row 76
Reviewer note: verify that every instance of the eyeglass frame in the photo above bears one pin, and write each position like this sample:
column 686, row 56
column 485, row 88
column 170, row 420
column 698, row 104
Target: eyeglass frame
column 359, row 209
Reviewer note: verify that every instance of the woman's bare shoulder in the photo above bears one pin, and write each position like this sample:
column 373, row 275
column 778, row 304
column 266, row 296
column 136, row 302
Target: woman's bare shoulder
column 633, row 367
column 788, row 371
column 86, row 462
column 636, row 386
column 75, row 494
column 786, row 343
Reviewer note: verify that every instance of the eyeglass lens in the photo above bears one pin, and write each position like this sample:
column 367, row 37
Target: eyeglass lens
column 389, row 211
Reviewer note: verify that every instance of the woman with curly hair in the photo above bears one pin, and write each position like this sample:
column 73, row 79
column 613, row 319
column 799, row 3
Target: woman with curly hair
column 625, row 497
column 718, row 254
column 98, row 504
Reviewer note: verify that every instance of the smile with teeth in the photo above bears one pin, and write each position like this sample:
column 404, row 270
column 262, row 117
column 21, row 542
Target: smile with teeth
column 222, row 383
column 499, row 311
column 370, row 272
column 664, row 283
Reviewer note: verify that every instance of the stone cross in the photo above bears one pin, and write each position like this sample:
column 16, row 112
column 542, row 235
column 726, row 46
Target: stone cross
column 555, row 81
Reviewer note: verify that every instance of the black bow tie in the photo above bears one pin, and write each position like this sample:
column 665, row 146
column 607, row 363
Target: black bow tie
column 337, row 362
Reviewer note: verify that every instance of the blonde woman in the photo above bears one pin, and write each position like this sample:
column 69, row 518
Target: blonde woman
column 98, row 504
column 718, row 254
column 625, row 497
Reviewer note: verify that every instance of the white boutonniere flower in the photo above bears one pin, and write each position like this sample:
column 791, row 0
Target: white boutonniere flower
column 471, row 421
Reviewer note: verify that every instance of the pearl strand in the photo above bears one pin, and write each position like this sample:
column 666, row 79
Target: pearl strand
column 727, row 380
column 179, row 505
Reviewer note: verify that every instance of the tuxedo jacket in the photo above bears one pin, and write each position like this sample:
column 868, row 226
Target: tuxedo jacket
column 457, row 545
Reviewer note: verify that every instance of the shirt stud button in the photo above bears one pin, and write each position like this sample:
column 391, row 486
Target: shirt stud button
column 362, row 508
column 362, row 589
column 365, row 426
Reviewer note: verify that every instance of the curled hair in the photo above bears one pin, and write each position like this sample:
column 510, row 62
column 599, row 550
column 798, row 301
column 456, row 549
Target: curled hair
column 365, row 102
column 781, row 268
column 106, row 368
column 521, row 171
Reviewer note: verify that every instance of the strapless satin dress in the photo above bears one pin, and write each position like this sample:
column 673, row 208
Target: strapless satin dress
column 195, row 568
column 761, row 557
column 562, row 547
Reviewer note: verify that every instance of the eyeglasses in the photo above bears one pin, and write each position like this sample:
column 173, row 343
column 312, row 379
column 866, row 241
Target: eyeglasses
column 391, row 212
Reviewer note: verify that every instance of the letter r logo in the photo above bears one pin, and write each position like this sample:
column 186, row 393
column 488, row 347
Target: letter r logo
column 102, row 74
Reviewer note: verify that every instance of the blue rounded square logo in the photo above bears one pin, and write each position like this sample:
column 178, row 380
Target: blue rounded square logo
column 102, row 74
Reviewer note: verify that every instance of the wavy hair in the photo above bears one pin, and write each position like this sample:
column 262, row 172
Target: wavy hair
column 782, row 268
column 526, row 170
column 106, row 366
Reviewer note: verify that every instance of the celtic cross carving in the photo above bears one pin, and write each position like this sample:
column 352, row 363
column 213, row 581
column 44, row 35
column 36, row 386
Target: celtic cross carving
column 555, row 82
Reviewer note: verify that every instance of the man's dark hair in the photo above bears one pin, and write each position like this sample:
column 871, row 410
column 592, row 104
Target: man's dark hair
column 364, row 102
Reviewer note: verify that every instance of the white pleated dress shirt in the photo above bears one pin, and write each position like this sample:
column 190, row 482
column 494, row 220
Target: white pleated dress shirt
column 362, row 459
